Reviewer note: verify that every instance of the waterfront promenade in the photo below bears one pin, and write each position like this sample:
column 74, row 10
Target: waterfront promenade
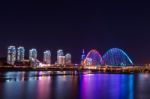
column 107, row 69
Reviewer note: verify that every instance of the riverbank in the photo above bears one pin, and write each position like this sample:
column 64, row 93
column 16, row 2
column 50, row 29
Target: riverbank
column 107, row 69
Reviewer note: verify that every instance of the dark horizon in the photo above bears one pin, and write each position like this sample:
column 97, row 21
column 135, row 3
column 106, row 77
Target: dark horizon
column 76, row 25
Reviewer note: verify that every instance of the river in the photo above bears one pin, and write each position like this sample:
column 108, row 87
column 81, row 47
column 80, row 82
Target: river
column 64, row 85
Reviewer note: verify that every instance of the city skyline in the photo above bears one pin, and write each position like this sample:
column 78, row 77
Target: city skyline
column 17, row 55
column 112, row 57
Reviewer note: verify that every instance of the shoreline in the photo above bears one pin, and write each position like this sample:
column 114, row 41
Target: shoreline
column 103, row 69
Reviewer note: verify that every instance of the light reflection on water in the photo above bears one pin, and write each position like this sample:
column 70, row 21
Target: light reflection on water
column 107, row 86
column 57, row 85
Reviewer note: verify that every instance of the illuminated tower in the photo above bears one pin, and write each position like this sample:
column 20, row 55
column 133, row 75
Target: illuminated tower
column 59, row 54
column 32, row 54
column 11, row 55
column 47, row 57
column 20, row 54
column 68, row 59
column 61, row 60
column 33, row 57
column 82, row 57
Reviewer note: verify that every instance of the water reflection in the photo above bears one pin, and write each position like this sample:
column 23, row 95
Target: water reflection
column 33, row 75
column 106, row 86
column 65, row 85
column 142, row 86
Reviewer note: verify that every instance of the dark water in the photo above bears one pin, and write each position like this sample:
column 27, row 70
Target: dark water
column 41, row 85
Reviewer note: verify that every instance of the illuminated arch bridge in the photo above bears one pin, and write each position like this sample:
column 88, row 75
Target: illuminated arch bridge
column 113, row 57
column 93, row 58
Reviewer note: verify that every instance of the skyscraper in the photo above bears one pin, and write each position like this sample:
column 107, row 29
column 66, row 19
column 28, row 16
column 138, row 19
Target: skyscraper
column 32, row 54
column 68, row 59
column 47, row 57
column 61, row 60
column 20, row 54
column 33, row 57
column 59, row 53
column 11, row 55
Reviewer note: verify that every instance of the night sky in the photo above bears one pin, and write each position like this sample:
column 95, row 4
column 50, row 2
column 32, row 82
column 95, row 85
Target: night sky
column 72, row 25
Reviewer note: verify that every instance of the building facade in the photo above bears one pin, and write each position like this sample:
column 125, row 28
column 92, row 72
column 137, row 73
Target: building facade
column 59, row 54
column 61, row 60
column 32, row 54
column 47, row 57
column 33, row 57
column 68, row 59
column 11, row 55
column 20, row 54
